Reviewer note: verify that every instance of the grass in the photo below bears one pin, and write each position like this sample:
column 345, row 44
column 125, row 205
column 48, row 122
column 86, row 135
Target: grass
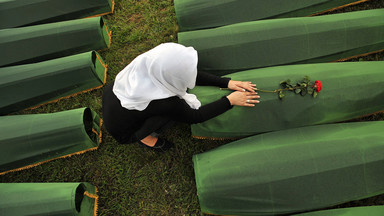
column 132, row 180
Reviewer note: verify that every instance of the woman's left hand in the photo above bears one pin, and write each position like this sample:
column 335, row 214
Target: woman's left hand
column 241, row 86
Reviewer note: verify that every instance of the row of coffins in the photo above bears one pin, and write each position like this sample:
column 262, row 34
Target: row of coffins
column 51, row 61
column 30, row 140
column 304, row 162
column 47, row 56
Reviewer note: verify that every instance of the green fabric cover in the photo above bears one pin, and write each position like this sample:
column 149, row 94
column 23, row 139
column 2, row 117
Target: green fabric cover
column 202, row 14
column 31, row 12
column 286, row 41
column 293, row 170
column 356, row 211
column 350, row 90
column 29, row 139
column 29, row 85
column 43, row 199
column 54, row 40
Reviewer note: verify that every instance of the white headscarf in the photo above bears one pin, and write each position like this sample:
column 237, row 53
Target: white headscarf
column 164, row 71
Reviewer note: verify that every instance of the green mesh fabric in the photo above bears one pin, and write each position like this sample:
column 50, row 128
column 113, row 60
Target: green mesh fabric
column 356, row 211
column 31, row 12
column 350, row 90
column 29, row 85
column 292, row 171
column 48, row 41
column 274, row 42
column 202, row 14
column 27, row 140
column 45, row 199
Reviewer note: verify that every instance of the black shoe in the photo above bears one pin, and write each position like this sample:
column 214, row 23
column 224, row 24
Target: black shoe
column 161, row 145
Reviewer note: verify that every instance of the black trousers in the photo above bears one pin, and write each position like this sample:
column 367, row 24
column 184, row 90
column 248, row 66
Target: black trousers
column 153, row 126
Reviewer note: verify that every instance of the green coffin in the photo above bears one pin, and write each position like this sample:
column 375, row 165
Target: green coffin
column 31, row 12
column 202, row 14
column 356, row 211
column 48, row 199
column 286, row 41
column 48, row 41
column 29, row 85
column 293, row 170
column 350, row 90
column 29, row 140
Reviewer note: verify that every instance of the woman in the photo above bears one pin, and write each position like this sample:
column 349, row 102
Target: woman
column 150, row 93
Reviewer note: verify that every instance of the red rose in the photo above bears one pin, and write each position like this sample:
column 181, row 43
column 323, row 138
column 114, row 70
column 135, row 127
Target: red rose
column 318, row 85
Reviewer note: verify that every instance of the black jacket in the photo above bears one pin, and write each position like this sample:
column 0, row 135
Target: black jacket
column 128, row 126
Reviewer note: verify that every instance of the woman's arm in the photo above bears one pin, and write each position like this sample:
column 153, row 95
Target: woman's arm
column 178, row 110
column 206, row 79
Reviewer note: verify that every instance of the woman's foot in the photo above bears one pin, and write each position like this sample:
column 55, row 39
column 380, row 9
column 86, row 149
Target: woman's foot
column 150, row 140
column 155, row 143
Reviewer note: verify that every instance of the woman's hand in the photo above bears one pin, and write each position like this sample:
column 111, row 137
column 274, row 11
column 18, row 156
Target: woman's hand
column 241, row 86
column 241, row 98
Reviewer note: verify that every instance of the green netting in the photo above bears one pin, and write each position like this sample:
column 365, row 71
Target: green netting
column 28, row 140
column 48, row 41
column 356, row 211
column 350, row 90
column 43, row 199
column 31, row 12
column 202, row 14
column 286, row 41
column 293, row 170
column 29, row 85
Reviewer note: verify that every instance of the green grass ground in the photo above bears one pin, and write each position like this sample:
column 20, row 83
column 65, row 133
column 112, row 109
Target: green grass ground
column 132, row 180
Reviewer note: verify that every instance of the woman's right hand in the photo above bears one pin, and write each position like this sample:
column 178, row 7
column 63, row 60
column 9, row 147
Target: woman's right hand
column 240, row 98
